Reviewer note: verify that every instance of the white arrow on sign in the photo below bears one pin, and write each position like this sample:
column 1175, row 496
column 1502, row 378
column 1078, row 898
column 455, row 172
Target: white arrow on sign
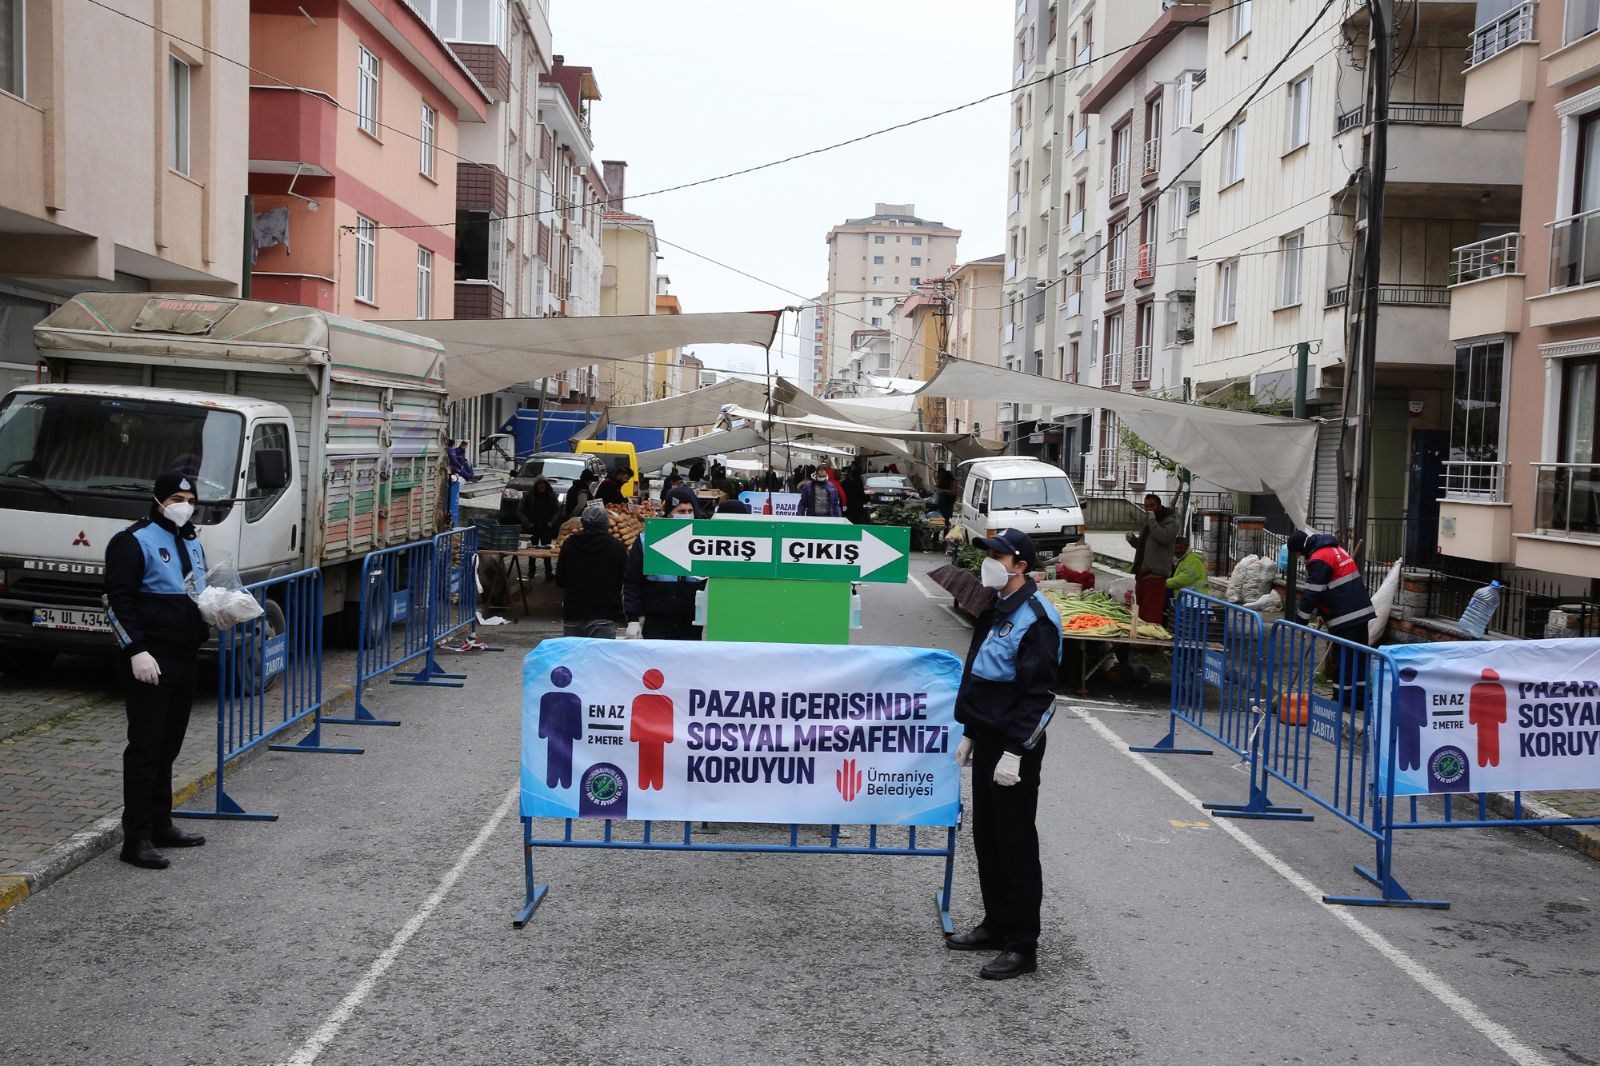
column 869, row 553
column 685, row 547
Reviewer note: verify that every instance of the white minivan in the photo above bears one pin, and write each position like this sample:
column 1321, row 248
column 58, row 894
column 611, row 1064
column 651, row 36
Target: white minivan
column 1016, row 492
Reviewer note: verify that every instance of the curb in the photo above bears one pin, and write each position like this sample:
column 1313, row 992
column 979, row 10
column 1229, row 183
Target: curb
column 106, row 833
column 1584, row 839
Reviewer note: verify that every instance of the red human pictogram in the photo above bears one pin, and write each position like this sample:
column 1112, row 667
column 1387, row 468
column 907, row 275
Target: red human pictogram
column 1486, row 709
column 651, row 729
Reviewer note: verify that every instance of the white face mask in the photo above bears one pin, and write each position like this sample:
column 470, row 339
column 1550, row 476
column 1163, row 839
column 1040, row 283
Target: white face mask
column 178, row 513
column 993, row 574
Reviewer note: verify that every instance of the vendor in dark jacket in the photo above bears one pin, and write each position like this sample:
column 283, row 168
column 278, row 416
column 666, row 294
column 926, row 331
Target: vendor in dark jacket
column 610, row 492
column 660, row 607
column 159, row 630
column 579, row 495
column 1334, row 592
column 1004, row 703
column 590, row 574
column 539, row 512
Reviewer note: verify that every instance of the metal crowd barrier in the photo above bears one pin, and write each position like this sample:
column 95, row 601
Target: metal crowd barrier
column 534, row 892
column 452, row 601
column 396, row 591
column 1217, row 658
column 269, row 677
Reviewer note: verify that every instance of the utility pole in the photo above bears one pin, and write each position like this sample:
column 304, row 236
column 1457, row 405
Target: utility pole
column 1362, row 364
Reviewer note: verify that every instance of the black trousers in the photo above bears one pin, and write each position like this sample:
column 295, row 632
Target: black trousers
column 158, row 717
column 1007, row 842
column 1348, row 669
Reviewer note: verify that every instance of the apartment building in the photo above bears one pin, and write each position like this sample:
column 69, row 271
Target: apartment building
column 1276, row 225
column 1053, row 234
column 872, row 263
column 354, row 123
column 627, row 287
column 1144, row 281
column 124, row 171
column 663, row 365
column 1521, row 487
column 976, row 294
column 813, row 369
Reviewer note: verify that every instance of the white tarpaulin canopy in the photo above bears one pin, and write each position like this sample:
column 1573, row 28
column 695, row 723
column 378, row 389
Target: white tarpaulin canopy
column 703, row 407
column 489, row 354
column 867, row 438
column 1235, row 449
column 717, row 443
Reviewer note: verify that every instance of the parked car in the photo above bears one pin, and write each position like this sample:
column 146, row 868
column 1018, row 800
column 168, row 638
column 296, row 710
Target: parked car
column 891, row 488
column 561, row 469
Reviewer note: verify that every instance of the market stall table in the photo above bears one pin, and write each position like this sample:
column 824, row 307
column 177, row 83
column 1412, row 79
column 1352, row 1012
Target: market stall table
column 514, row 568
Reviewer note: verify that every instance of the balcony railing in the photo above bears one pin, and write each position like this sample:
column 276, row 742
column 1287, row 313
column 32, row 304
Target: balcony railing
column 1016, row 75
column 1080, row 141
column 1015, row 204
column 1567, row 498
column 1495, row 36
column 1008, row 333
column 1116, row 279
column 1405, row 113
column 1111, row 369
column 1397, row 296
column 1152, row 155
column 1575, row 250
column 1141, row 363
column 1011, row 268
column 1084, row 57
column 1119, row 179
column 1074, row 303
column 1482, row 482
column 1016, row 137
column 1144, row 265
column 1486, row 259
column 1077, row 222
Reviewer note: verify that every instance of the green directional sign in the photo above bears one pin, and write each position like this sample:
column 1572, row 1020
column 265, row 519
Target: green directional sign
column 796, row 549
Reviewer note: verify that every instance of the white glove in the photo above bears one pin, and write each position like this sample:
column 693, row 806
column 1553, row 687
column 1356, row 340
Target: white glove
column 1008, row 771
column 964, row 752
column 145, row 668
column 632, row 632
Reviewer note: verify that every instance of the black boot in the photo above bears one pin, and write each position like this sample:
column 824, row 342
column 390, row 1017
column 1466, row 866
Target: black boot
column 1008, row 964
column 173, row 837
column 979, row 939
column 142, row 853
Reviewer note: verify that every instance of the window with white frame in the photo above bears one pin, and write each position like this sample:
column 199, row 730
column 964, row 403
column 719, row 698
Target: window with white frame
column 424, row 283
column 877, row 301
column 877, row 279
column 1291, row 254
column 366, row 260
column 916, row 260
column 497, row 252
column 179, row 77
column 429, row 141
column 1111, row 369
column 1227, row 291
column 1178, row 209
column 1299, row 113
column 1233, row 146
column 470, row 21
column 877, row 238
column 877, row 260
column 1109, row 442
column 877, row 320
column 1583, row 18
column 1183, row 99
column 13, row 38
column 916, row 242
column 367, row 85
column 1240, row 20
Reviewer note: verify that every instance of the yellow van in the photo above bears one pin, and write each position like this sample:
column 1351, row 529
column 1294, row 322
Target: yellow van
column 617, row 455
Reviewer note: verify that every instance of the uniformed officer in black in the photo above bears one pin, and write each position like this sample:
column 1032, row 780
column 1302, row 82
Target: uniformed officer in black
column 1004, row 704
column 159, row 629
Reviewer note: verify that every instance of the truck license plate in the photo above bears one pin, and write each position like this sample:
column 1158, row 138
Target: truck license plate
column 64, row 618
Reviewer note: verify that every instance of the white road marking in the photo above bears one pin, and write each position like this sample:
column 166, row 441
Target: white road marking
column 308, row 1052
column 923, row 588
column 1432, row 983
column 963, row 619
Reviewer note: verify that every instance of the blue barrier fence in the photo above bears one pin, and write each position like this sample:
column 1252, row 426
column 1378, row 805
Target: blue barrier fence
column 394, row 626
column 1319, row 732
column 650, row 840
column 452, row 602
column 269, row 678
column 1217, row 665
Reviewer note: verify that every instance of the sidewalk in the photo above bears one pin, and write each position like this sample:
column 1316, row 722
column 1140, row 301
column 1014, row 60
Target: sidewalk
column 61, row 741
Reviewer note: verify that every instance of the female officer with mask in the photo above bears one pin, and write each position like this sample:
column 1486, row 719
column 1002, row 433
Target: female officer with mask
column 159, row 629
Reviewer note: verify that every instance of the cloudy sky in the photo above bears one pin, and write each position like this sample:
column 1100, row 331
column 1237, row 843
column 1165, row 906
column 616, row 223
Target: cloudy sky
column 697, row 89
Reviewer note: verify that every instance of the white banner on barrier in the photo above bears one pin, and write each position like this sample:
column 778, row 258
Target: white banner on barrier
column 1495, row 716
column 777, row 733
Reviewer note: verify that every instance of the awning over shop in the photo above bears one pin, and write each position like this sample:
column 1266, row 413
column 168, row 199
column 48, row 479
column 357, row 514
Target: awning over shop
column 1237, row 450
column 704, row 407
column 489, row 354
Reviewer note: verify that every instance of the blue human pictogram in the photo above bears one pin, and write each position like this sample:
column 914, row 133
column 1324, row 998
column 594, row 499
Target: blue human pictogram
column 560, row 723
column 1411, row 716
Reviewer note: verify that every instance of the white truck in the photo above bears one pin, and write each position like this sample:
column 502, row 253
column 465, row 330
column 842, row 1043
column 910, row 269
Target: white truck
column 316, row 439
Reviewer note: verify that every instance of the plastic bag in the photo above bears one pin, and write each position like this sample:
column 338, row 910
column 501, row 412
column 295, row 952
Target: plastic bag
column 221, row 595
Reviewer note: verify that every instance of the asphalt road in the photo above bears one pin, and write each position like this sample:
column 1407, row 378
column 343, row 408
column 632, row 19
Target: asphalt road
column 372, row 924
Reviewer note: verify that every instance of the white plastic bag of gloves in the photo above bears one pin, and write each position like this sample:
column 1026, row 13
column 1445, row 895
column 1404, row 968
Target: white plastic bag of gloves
column 223, row 601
